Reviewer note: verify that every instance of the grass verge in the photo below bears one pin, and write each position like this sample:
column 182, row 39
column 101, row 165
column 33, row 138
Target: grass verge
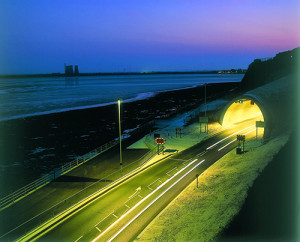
column 200, row 214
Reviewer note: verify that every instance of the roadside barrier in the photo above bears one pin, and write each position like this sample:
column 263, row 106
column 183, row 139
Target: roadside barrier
column 45, row 179
column 63, row 169
column 67, row 203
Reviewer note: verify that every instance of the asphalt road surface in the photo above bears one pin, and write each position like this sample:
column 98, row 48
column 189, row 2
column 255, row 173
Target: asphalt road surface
column 123, row 212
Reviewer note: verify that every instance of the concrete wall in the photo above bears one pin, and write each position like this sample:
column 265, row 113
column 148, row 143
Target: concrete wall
column 277, row 102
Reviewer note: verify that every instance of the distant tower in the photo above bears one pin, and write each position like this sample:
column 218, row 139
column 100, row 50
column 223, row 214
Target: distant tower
column 68, row 69
column 76, row 71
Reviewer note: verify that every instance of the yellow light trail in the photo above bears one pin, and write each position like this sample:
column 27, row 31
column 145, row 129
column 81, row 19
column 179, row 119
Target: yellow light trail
column 145, row 198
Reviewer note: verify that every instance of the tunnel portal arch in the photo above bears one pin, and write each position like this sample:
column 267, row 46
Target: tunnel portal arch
column 246, row 107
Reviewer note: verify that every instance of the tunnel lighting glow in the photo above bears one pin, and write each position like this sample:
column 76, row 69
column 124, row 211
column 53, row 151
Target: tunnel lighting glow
column 228, row 137
column 241, row 111
column 153, row 201
column 141, row 201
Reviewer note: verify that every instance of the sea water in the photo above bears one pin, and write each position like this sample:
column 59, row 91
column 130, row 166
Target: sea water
column 24, row 97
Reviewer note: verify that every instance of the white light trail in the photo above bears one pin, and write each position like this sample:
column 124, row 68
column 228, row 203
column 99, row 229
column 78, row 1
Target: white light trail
column 250, row 131
column 228, row 137
column 141, row 201
column 227, row 145
column 234, row 140
column 153, row 201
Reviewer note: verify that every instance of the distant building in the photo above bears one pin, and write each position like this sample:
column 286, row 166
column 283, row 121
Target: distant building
column 69, row 69
column 76, row 71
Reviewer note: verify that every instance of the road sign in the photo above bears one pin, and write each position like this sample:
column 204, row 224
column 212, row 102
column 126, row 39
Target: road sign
column 160, row 141
column 241, row 137
column 178, row 130
column 260, row 124
column 203, row 119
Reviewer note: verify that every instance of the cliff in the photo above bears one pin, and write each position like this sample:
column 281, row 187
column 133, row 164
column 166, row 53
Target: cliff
column 262, row 71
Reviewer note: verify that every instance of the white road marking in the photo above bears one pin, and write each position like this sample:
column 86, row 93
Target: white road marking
column 98, row 229
column 115, row 215
column 79, row 238
column 145, row 198
column 104, row 219
column 126, row 205
column 202, row 153
column 228, row 137
column 178, row 159
column 171, row 171
column 153, row 183
column 140, row 196
column 135, row 193
column 153, row 201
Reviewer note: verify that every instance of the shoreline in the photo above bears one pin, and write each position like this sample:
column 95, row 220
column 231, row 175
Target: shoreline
column 11, row 76
column 138, row 97
column 35, row 145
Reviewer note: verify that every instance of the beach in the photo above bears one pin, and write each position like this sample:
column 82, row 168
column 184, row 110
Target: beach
column 32, row 146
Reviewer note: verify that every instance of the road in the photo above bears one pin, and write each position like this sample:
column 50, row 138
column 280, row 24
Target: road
column 123, row 212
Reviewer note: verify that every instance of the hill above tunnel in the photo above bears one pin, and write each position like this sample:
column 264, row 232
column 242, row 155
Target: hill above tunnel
column 263, row 71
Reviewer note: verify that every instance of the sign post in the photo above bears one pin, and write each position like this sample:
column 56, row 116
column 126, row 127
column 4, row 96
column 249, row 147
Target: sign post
column 241, row 138
column 203, row 120
column 259, row 124
column 159, row 141
column 178, row 130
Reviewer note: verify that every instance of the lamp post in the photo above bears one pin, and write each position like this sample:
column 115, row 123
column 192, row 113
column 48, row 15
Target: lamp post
column 120, row 138
column 205, row 98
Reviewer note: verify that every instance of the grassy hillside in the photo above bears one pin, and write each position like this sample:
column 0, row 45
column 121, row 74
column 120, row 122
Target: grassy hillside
column 200, row 214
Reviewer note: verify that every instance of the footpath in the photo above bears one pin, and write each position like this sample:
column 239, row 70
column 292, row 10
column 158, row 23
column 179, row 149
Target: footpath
column 99, row 174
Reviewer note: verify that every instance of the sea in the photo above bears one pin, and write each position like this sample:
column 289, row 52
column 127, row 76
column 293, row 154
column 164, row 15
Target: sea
column 24, row 97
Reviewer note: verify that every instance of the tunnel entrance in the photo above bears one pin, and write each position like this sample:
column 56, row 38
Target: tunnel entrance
column 242, row 110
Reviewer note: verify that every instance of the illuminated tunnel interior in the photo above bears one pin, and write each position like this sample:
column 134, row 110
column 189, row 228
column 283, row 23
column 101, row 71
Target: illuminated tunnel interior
column 241, row 110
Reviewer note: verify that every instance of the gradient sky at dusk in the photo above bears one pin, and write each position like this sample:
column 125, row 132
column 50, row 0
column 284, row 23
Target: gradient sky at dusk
column 39, row 36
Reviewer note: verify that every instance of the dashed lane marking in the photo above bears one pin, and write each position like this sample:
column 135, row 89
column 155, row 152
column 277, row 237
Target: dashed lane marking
column 178, row 159
column 79, row 238
column 153, row 183
column 104, row 219
column 202, row 153
column 175, row 168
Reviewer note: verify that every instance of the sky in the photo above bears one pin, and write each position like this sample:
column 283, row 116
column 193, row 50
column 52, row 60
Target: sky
column 134, row 35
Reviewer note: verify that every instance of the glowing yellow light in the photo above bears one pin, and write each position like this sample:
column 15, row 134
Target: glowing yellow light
column 239, row 112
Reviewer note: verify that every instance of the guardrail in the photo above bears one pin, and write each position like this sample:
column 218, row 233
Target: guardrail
column 63, row 169
column 67, row 203
column 45, row 179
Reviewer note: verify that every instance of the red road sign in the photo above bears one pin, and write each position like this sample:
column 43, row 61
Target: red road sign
column 160, row 141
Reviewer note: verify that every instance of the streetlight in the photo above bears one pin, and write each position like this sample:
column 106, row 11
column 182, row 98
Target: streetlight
column 205, row 98
column 120, row 138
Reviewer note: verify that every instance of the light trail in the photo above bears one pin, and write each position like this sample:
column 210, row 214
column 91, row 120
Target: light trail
column 228, row 137
column 153, row 201
column 227, row 145
column 250, row 131
column 234, row 140
column 141, row 201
